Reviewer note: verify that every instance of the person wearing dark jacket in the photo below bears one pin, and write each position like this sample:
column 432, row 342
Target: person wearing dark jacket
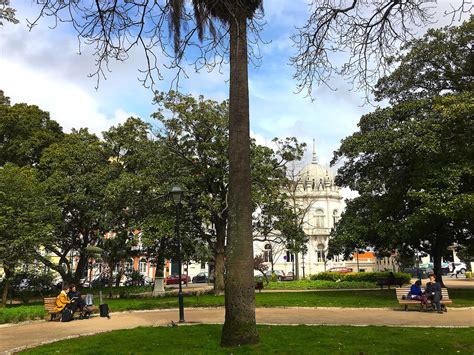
column 433, row 292
column 76, row 300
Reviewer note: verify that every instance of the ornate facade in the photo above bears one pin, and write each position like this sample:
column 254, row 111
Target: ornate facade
column 320, row 203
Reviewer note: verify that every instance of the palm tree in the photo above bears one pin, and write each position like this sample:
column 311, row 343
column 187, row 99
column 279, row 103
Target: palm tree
column 240, row 324
column 115, row 27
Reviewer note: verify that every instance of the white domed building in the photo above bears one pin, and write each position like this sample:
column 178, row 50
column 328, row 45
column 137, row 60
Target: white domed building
column 321, row 203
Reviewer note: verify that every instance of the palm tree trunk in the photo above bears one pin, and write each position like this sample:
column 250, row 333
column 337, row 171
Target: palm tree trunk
column 240, row 325
column 219, row 256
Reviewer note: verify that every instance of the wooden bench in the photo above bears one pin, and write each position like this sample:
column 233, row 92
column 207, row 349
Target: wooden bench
column 404, row 292
column 396, row 281
column 50, row 304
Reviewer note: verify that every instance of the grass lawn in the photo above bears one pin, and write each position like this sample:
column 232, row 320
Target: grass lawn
column 204, row 339
column 363, row 298
column 317, row 284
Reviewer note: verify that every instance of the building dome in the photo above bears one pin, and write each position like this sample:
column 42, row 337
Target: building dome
column 316, row 177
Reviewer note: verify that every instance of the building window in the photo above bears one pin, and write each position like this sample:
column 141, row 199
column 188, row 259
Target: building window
column 142, row 265
column 335, row 217
column 203, row 265
column 321, row 257
column 290, row 257
column 319, row 217
column 267, row 253
column 129, row 265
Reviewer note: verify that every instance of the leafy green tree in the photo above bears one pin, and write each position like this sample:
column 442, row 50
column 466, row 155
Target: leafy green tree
column 196, row 137
column 441, row 61
column 25, row 216
column 7, row 13
column 466, row 253
column 195, row 134
column 412, row 163
column 281, row 217
column 138, row 196
column 75, row 172
column 25, row 131
column 116, row 249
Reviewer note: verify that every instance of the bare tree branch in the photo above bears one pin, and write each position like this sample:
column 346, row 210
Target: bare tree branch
column 355, row 38
column 114, row 28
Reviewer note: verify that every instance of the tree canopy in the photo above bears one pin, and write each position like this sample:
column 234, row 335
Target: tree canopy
column 413, row 163
column 25, row 131
column 25, row 218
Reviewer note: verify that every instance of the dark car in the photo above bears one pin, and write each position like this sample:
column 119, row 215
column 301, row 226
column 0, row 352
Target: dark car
column 174, row 279
column 202, row 277
column 341, row 269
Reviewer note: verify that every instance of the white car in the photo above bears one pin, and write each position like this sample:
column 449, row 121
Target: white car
column 458, row 268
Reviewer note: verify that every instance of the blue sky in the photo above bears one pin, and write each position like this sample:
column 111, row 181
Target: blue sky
column 42, row 67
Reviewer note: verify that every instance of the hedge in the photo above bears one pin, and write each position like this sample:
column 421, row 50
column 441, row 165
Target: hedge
column 358, row 276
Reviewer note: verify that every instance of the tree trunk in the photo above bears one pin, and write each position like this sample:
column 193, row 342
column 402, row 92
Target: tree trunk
column 436, row 252
column 111, row 265
column 56, row 267
column 219, row 257
column 81, row 264
column 240, row 325
column 6, row 288
column 159, row 270
column 297, row 267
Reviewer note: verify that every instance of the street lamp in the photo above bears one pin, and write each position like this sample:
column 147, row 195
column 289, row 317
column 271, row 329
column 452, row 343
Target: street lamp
column 176, row 194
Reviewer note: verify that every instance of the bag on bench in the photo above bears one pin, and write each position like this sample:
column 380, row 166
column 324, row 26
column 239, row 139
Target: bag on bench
column 88, row 300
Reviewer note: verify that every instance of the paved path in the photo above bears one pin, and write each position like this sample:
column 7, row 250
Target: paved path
column 20, row 336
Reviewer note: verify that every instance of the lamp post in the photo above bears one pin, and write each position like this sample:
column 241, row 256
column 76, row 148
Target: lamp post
column 176, row 194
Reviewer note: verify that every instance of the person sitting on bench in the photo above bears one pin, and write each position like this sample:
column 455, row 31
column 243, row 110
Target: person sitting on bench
column 433, row 292
column 416, row 293
column 62, row 301
column 78, row 302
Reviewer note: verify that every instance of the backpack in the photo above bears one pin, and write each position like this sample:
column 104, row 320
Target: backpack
column 67, row 315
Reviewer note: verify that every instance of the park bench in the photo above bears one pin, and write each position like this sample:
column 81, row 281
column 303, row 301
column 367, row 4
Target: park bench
column 386, row 281
column 406, row 302
column 50, row 304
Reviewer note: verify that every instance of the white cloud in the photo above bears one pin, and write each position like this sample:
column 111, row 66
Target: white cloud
column 68, row 103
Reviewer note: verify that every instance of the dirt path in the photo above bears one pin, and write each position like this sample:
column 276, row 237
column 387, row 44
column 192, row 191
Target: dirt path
column 20, row 336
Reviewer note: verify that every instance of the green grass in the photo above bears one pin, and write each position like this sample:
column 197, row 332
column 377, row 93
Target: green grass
column 317, row 284
column 362, row 298
column 204, row 339
column 19, row 313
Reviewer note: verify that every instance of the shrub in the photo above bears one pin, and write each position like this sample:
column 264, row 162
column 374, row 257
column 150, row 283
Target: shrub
column 135, row 278
column 358, row 276
column 26, row 285
column 328, row 276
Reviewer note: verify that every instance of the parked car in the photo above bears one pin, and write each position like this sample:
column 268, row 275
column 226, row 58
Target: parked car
column 174, row 279
column 280, row 275
column 202, row 277
column 457, row 268
column 341, row 269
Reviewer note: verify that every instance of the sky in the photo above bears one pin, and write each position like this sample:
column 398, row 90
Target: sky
column 43, row 67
